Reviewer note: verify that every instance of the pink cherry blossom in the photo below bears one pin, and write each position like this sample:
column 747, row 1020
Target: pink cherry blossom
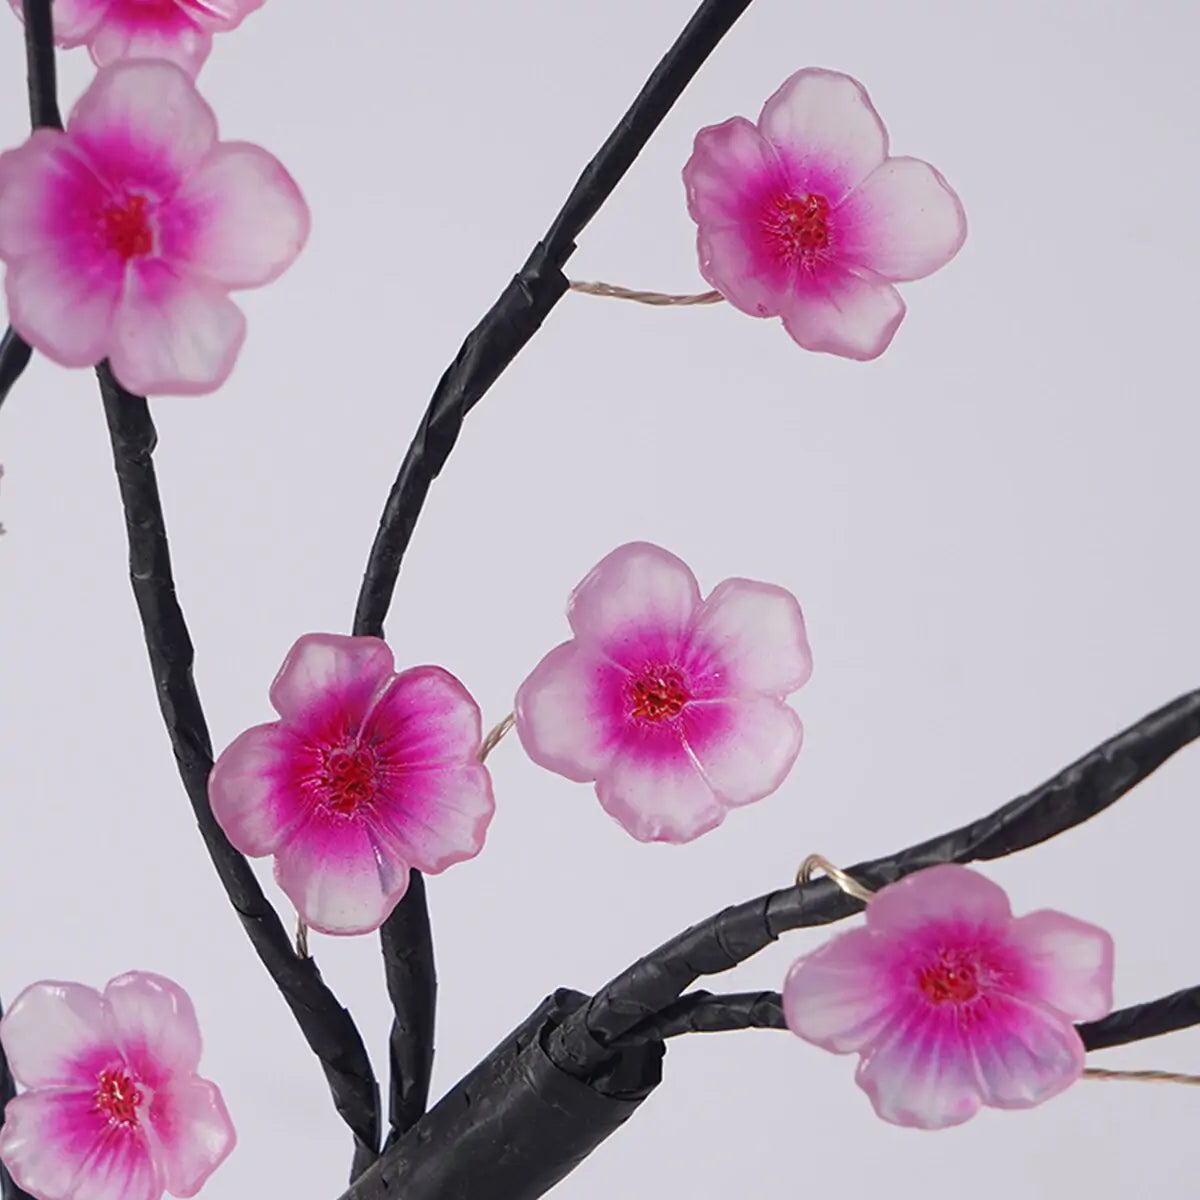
column 366, row 774
column 673, row 705
column 180, row 31
column 806, row 217
column 114, row 1109
column 951, row 1003
column 124, row 235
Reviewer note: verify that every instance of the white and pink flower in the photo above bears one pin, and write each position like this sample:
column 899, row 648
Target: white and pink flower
column 180, row 31
column 366, row 774
column 804, row 216
column 950, row 1002
column 124, row 235
column 114, row 1109
column 672, row 704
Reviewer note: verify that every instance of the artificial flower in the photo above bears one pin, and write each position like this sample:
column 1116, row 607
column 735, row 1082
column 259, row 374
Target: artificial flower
column 366, row 774
column 951, row 1003
column 672, row 704
column 804, row 216
column 180, row 31
column 124, row 235
column 114, row 1109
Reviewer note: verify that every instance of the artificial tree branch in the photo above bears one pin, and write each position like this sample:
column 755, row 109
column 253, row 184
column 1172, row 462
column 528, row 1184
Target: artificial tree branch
column 489, row 348
column 703, row 1012
column 40, row 74
column 1077, row 793
column 327, row 1026
column 8, row 1089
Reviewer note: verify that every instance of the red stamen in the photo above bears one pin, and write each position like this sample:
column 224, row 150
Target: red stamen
column 349, row 778
column 797, row 228
column 658, row 694
column 953, row 978
column 125, row 228
column 117, row 1097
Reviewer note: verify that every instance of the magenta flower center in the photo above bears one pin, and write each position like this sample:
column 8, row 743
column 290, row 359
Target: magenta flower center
column 951, row 978
column 125, row 228
column 348, row 778
column 117, row 1097
column 796, row 229
column 657, row 694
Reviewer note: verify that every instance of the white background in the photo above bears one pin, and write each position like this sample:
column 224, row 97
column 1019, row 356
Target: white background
column 991, row 530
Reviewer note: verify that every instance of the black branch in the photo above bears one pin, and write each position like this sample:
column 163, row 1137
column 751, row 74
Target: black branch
column 327, row 1026
column 1079, row 792
column 489, row 348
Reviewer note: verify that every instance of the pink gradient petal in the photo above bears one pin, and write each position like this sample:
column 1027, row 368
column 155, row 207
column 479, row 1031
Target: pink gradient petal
column 425, row 717
column 638, row 595
column 57, row 1147
column 341, row 876
column 564, row 712
column 220, row 14
column 730, row 163
column 921, row 1072
column 174, row 335
column 1025, row 1054
column 849, row 313
column 147, row 116
column 250, row 218
column 155, row 1025
column 903, row 222
column 40, row 182
column 191, row 1125
column 749, row 637
column 659, row 795
column 130, row 35
column 945, row 893
column 58, row 1035
column 751, row 282
column 437, row 816
column 74, row 20
column 253, row 788
column 745, row 747
column 1071, row 961
column 328, row 682
column 826, row 119
column 832, row 996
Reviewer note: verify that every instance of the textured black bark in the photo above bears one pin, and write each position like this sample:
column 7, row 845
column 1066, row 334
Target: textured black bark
column 326, row 1025
column 489, row 348
column 1082, row 790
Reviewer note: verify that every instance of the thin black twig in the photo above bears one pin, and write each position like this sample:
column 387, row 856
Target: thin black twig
column 326, row 1025
column 1077, row 793
column 489, row 348
column 8, row 1089
column 15, row 353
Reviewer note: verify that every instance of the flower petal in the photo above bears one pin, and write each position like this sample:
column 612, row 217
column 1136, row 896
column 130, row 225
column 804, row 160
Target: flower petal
column 745, row 746
column 921, row 1072
column 730, row 163
column 904, row 221
column 145, row 120
column 58, row 1035
column 425, row 717
column 836, row 997
column 57, row 1146
column 74, row 20
column 437, row 816
column 567, row 713
column 249, row 216
column 752, row 282
column 341, row 876
column 155, row 1025
column 254, row 788
column 195, row 1135
column 1025, row 1054
column 849, row 313
column 1071, row 962
column 42, row 185
column 166, row 32
column 328, row 682
column 937, row 895
column 658, row 794
column 749, row 637
column 639, row 599
column 826, row 119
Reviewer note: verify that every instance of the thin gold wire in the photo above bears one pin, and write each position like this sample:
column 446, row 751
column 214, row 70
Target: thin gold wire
column 655, row 299
column 818, row 862
column 492, row 740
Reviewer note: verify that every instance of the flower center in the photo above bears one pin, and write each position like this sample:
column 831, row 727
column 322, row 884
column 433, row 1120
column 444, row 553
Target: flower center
column 657, row 694
column 952, row 978
column 125, row 228
column 117, row 1097
column 348, row 778
column 797, row 229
